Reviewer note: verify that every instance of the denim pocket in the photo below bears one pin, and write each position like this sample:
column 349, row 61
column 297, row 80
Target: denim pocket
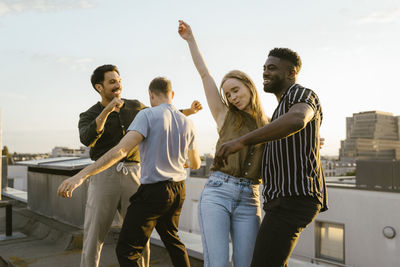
column 213, row 183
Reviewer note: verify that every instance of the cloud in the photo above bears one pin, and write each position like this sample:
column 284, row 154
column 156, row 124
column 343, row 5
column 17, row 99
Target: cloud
column 84, row 60
column 18, row 6
column 381, row 17
column 13, row 96
column 73, row 63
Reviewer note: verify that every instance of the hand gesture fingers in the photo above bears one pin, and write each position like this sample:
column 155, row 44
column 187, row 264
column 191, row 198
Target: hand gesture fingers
column 226, row 149
column 115, row 104
column 184, row 30
column 68, row 186
column 65, row 190
column 196, row 106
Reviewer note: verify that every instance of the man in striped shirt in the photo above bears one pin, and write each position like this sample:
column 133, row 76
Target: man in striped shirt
column 294, row 184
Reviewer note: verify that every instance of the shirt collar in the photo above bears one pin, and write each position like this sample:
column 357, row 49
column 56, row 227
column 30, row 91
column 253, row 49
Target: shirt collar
column 287, row 91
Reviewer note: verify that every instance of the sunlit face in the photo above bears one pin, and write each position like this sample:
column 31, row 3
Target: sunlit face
column 275, row 74
column 111, row 86
column 237, row 94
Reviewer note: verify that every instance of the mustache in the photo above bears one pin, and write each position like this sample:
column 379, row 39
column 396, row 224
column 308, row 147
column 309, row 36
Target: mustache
column 115, row 89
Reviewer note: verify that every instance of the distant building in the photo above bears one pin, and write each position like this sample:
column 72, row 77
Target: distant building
column 59, row 151
column 371, row 135
column 333, row 167
column 27, row 156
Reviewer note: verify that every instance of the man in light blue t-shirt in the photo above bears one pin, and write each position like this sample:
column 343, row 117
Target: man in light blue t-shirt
column 166, row 138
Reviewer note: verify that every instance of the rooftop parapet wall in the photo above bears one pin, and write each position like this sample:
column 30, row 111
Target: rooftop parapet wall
column 378, row 174
column 44, row 177
column 364, row 214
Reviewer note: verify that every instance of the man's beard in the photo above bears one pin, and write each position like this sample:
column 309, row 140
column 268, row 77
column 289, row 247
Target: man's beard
column 274, row 87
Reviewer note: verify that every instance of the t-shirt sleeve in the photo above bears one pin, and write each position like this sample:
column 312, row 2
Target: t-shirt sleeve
column 303, row 95
column 140, row 123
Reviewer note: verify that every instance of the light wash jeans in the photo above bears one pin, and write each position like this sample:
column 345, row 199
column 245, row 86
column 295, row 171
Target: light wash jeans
column 229, row 205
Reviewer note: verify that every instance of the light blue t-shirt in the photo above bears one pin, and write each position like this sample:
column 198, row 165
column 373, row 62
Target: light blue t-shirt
column 168, row 135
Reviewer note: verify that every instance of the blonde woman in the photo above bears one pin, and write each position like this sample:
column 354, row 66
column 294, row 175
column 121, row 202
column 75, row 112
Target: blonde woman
column 229, row 203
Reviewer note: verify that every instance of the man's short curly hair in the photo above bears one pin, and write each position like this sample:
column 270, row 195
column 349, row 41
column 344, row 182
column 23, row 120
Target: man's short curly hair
column 98, row 74
column 289, row 55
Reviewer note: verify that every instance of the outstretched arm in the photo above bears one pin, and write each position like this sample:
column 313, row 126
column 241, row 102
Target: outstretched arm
column 295, row 120
column 217, row 107
column 127, row 143
column 194, row 108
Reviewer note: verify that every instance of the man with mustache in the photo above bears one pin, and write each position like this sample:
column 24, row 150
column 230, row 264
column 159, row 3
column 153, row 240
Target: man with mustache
column 294, row 185
column 101, row 128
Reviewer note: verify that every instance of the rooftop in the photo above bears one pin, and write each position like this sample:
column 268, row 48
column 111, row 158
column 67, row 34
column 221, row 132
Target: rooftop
column 38, row 241
column 46, row 241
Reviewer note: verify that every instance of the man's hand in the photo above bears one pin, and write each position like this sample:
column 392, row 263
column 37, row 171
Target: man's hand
column 184, row 30
column 196, row 107
column 114, row 105
column 226, row 149
column 68, row 186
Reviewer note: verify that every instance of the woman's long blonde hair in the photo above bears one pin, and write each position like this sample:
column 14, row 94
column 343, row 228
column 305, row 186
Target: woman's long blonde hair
column 257, row 111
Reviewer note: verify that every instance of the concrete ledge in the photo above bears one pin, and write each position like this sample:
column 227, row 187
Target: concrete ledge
column 15, row 194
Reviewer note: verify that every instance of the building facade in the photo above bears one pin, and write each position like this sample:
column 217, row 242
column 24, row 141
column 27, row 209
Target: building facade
column 371, row 135
column 60, row 151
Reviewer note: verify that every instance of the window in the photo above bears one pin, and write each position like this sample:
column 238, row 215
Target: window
column 329, row 241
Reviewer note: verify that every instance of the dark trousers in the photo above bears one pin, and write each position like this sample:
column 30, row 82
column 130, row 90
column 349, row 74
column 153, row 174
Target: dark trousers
column 153, row 205
column 280, row 229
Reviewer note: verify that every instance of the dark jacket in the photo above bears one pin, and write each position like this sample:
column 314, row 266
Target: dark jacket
column 114, row 129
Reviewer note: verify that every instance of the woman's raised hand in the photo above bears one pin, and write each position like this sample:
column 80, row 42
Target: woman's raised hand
column 184, row 30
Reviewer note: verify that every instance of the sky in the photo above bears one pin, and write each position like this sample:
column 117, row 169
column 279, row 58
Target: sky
column 48, row 50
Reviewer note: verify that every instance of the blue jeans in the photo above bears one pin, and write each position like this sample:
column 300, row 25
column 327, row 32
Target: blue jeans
column 229, row 205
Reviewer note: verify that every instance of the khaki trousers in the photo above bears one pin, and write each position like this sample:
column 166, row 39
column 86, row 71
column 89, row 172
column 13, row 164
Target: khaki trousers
column 108, row 192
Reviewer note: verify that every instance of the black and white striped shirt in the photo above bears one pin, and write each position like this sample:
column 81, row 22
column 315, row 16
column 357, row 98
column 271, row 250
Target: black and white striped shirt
column 291, row 166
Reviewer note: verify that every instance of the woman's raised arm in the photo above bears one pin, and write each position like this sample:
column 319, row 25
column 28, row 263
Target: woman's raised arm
column 217, row 107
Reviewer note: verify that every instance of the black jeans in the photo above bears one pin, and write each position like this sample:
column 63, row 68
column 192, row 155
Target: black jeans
column 153, row 205
column 280, row 229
